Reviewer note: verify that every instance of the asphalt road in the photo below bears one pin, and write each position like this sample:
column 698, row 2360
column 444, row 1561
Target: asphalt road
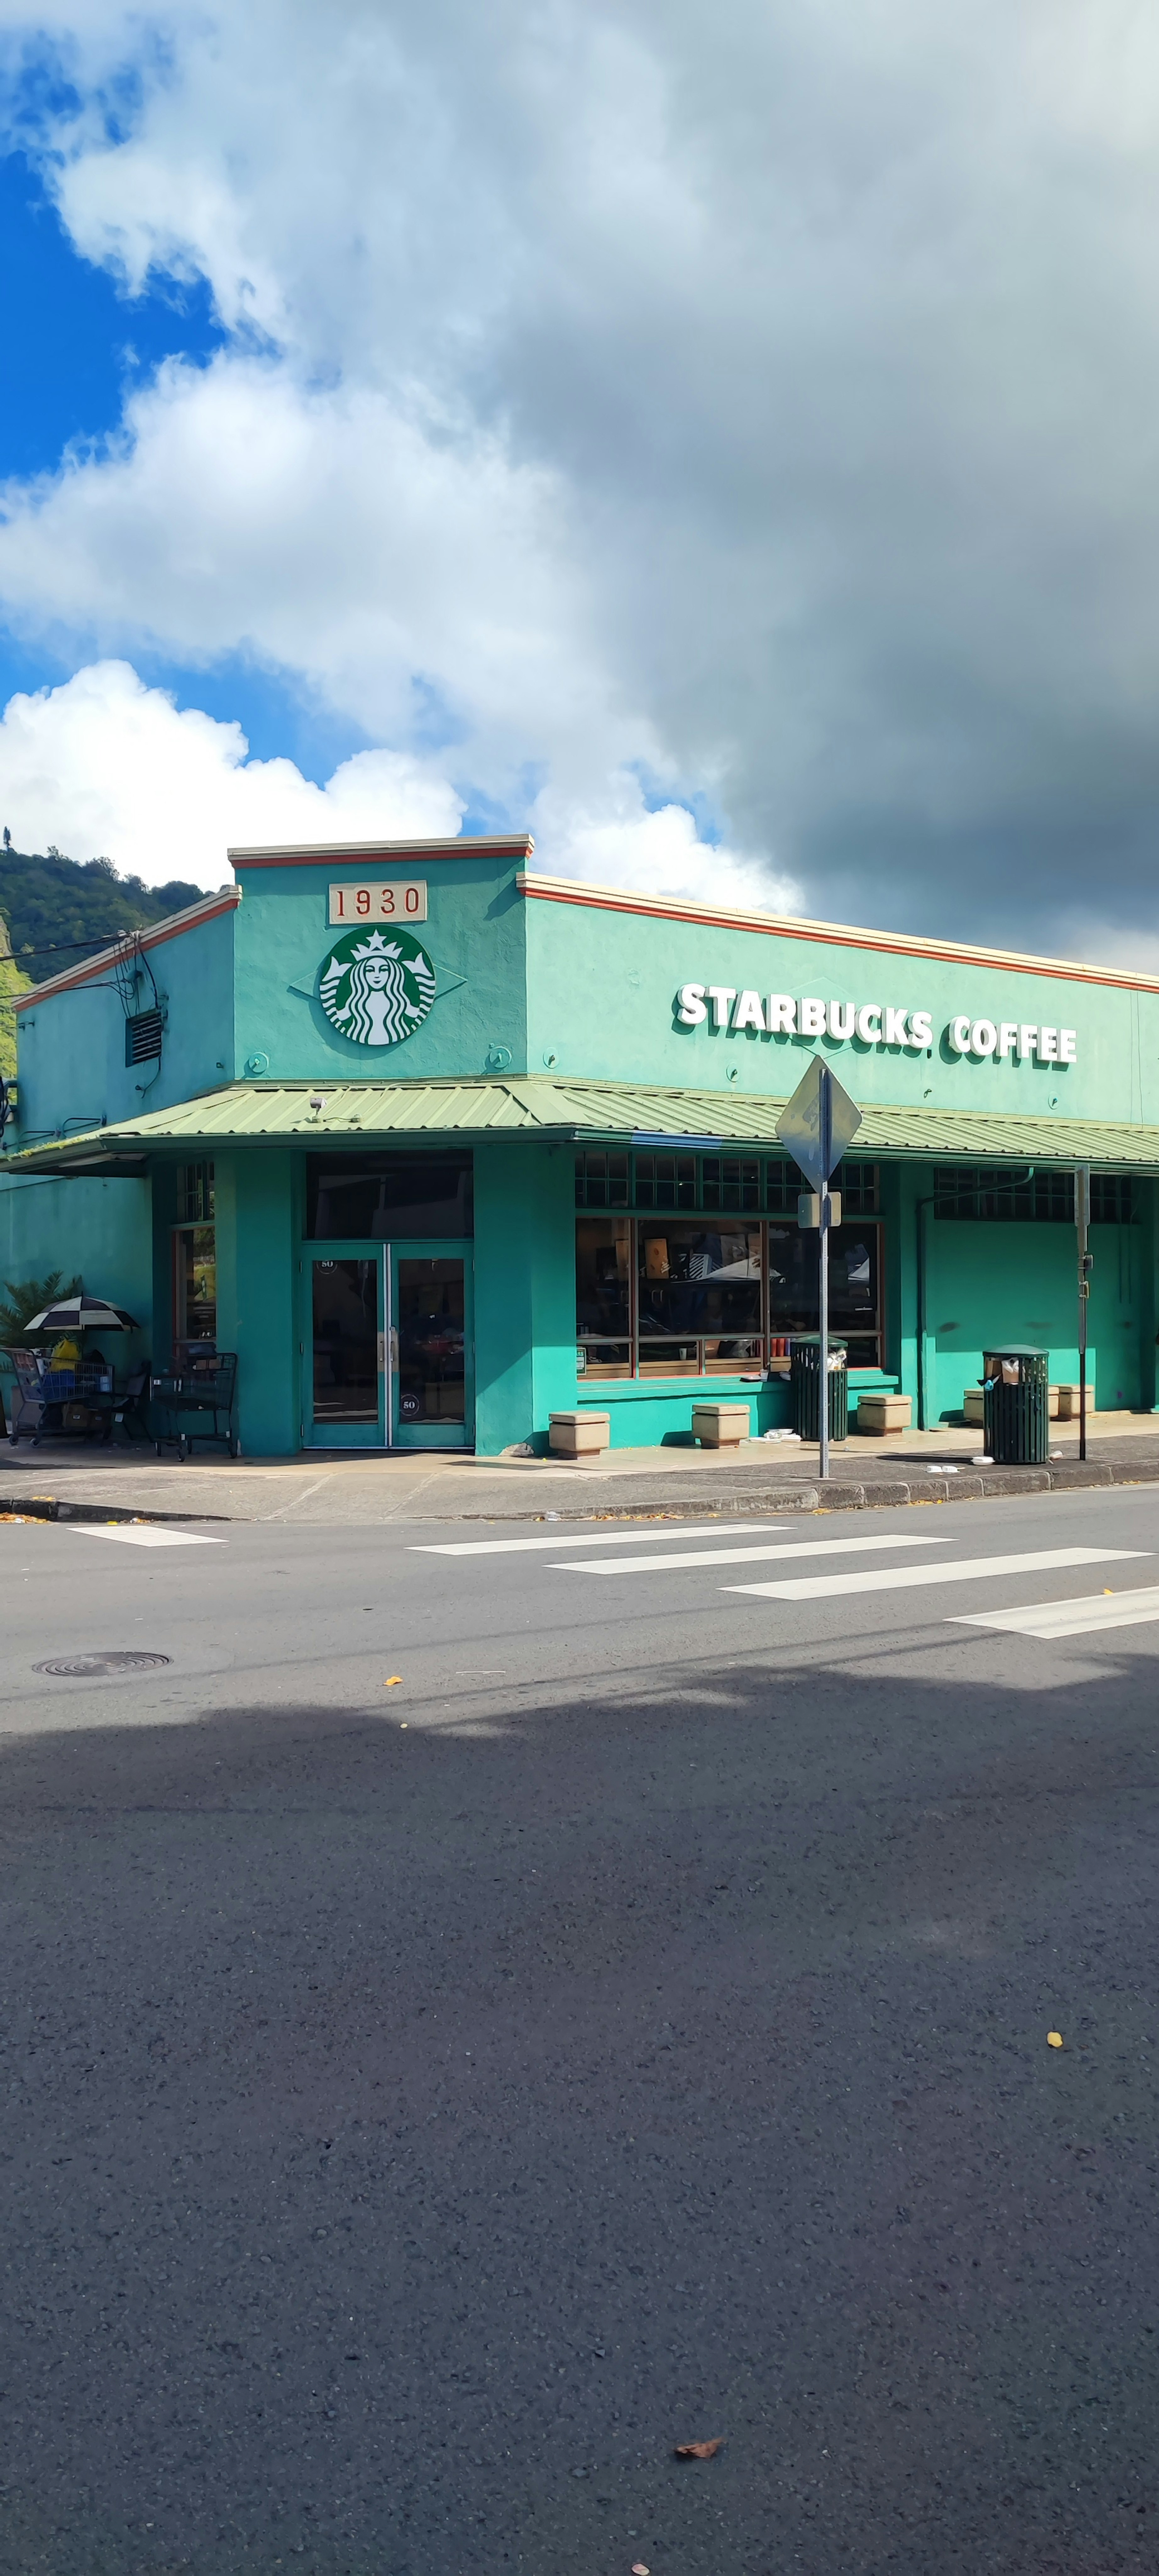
column 430, row 2101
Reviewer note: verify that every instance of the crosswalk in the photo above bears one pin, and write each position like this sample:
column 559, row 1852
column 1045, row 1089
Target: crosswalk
column 868, row 1562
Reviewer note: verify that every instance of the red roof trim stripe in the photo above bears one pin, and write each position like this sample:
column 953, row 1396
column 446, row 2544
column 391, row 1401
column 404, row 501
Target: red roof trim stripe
column 154, row 937
column 834, row 934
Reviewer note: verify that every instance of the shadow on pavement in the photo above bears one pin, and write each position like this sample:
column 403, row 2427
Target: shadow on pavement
column 413, row 2135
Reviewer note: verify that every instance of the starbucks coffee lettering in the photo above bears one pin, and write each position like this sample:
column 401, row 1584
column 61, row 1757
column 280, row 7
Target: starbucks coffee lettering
column 887, row 1024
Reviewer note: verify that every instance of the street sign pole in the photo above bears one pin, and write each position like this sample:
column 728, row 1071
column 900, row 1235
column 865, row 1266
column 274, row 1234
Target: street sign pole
column 825, row 1158
column 1082, row 1218
column 817, row 1125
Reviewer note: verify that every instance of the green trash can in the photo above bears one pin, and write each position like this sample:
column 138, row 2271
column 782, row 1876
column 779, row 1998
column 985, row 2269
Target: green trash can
column 805, row 1381
column 1015, row 1408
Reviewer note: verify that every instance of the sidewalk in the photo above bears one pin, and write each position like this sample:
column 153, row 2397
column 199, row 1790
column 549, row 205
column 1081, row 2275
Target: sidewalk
column 338, row 1489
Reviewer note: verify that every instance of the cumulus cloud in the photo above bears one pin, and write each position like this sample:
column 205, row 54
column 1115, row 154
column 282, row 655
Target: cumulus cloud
column 107, row 768
column 757, row 399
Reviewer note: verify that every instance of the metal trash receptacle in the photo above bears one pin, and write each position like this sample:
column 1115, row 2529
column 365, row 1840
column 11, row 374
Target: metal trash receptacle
column 805, row 1381
column 1015, row 1384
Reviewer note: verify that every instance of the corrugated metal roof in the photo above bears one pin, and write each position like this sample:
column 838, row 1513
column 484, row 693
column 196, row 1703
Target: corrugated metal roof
column 259, row 1113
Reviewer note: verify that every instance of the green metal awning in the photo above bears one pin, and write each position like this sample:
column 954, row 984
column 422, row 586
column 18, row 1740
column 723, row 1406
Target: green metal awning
column 262, row 1113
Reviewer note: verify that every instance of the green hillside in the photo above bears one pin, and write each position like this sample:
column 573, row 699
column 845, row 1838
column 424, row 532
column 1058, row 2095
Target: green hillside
column 56, row 909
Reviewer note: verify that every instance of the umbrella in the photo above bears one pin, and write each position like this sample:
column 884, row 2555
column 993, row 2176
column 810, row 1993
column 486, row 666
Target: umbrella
column 82, row 1314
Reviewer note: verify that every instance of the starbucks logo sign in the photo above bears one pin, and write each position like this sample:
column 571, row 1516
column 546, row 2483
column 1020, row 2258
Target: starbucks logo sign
column 376, row 986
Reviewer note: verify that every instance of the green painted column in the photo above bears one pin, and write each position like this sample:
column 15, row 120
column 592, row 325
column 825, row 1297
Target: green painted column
column 524, row 1289
column 257, row 1271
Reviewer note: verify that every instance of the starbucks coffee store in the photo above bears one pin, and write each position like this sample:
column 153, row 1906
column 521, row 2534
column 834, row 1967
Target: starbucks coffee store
column 440, row 1145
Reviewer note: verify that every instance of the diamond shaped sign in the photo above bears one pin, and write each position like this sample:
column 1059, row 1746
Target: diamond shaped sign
column 819, row 1123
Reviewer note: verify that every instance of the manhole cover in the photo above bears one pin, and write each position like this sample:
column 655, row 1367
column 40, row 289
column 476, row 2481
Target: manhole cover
column 88, row 1668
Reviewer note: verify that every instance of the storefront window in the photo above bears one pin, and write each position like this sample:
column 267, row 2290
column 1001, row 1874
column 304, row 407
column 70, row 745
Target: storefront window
column 854, row 1273
column 378, row 1197
column 195, row 1286
column 699, row 1298
column 603, row 1253
column 660, row 1296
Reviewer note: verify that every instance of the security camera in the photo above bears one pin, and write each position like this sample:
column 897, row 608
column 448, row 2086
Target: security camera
column 317, row 1102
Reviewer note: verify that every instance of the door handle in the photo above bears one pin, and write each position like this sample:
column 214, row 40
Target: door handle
column 381, row 1353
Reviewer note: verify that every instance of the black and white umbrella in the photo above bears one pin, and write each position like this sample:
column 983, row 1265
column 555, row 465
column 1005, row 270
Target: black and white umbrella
column 82, row 1314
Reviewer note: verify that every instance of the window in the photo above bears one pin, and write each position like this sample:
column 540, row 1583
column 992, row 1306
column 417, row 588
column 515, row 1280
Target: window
column 854, row 1288
column 195, row 1193
column 732, row 1182
column 601, row 1180
column 1044, row 1197
column 194, row 1286
column 665, row 1180
column 375, row 1197
column 717, row 1296
column 1111, row 1199
column 699, row 1299
column 603, row 1296
column 722, row 1184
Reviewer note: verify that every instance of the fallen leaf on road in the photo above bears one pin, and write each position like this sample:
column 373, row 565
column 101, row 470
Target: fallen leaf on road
column 698, row 2450
column 1054, row 2039
column 638, row 2568
column 392, row 1681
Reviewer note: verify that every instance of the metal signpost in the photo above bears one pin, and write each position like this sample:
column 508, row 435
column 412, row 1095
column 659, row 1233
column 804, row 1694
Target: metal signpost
column 1082, row 1218
column 818, row 1125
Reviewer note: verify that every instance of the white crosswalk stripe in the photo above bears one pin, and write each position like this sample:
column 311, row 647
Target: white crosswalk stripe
column 591, row 1538
column 899, row 1578
column 1093, row 1610
column 754, row 1555
column 146, row 1535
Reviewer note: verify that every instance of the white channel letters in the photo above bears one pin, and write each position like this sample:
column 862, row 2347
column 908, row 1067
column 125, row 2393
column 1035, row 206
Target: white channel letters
column 723, row 1006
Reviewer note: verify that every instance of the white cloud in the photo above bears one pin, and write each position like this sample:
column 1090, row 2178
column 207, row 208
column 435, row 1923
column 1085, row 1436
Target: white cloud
column 107, row 768
column 756, row 398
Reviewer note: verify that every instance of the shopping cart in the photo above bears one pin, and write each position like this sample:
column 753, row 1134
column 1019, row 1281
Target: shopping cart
column 183, row 1398
column 63, row 1400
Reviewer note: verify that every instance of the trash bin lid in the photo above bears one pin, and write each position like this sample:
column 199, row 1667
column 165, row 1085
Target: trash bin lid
column 1015, row 1351
column 813, row 1341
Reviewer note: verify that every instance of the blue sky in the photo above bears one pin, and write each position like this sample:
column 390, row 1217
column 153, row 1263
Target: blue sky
column 71, row 346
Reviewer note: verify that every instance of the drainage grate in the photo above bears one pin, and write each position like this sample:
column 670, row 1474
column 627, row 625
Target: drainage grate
column 87, row 1668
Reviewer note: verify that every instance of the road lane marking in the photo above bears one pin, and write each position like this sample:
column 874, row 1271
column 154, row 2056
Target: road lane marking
column 590, row 1538
column 1069, row 1618
column 145, row 1536
column 898, row 1578
column 754, row 1555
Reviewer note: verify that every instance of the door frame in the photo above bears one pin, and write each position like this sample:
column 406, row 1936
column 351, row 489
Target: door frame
column 432, row 1435
column 387, row 1434
column 342, row 1435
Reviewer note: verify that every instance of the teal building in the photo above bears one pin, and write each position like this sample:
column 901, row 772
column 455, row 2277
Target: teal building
column 440, row 1145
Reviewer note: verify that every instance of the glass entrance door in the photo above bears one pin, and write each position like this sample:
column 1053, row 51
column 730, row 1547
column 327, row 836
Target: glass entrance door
column 344, row 1349
column 432, row 1376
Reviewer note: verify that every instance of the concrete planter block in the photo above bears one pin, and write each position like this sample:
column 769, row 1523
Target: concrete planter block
column 973, row 1406
column 1052, row 1404
column 1068, row 1402
column 584, row 1434
column 721, row 1426
column 882, row 1414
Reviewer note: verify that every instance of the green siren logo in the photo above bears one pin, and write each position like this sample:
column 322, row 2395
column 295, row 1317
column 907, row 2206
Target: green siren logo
column 376, row 989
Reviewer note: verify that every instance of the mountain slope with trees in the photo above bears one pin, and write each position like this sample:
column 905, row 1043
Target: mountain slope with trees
column 56, row 908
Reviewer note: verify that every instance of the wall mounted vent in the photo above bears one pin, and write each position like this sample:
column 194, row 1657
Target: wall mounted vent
column 143, row 1037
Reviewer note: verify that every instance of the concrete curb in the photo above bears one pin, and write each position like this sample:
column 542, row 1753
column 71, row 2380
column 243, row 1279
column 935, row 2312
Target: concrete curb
column 45, row 1507
column 839, row 1497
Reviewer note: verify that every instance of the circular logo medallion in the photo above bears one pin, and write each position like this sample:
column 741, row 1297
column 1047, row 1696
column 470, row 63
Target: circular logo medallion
column 376, row 986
